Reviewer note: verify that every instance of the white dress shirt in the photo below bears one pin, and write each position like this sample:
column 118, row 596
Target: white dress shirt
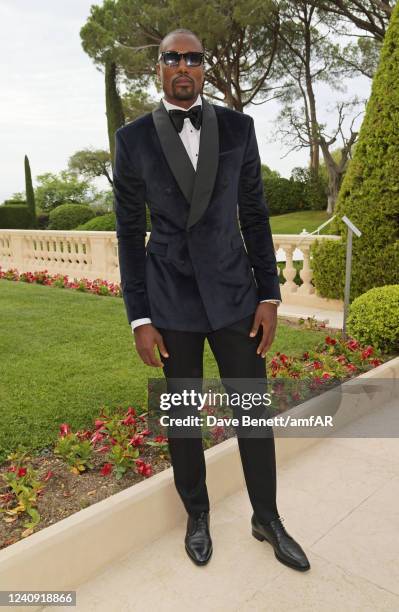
column 191, row 139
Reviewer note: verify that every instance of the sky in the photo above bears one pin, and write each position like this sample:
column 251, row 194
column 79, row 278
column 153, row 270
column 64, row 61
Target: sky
column 52, row 102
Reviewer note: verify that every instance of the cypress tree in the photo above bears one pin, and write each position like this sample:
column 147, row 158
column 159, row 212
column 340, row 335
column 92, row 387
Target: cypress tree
column 30, row 194
column 113, row 104
column 369, row 194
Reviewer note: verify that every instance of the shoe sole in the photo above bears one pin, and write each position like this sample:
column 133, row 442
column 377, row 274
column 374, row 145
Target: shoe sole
column 261, row 538
column 196, row 560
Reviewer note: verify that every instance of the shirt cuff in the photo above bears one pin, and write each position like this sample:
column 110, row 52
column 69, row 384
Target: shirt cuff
column 278, row 302
column 138, row 322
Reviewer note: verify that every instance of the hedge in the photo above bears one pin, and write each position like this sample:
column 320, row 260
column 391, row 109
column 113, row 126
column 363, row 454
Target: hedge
column 369, row 193
column 15, row 215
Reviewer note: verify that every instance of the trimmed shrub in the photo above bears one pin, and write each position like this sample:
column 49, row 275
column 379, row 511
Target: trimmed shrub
column 369, row 193
column 68, row 216
column 374, row 318
column 15, row 215
column 104, row 223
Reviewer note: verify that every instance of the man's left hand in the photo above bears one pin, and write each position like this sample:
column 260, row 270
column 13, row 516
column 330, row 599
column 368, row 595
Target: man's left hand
column 265, row 316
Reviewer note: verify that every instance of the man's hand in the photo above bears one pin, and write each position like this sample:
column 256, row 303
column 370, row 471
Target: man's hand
column 146, row 337
column 265, row 315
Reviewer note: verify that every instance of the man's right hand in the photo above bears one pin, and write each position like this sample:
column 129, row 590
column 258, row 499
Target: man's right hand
column 146, row 337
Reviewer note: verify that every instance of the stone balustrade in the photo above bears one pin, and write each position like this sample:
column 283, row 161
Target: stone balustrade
column 91, row 255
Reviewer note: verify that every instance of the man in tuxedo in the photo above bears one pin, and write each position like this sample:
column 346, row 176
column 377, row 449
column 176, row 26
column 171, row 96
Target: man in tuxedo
column 197, row 167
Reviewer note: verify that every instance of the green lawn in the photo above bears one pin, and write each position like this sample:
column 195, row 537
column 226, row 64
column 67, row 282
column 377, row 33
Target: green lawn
column 295, row 222
column 66, row 354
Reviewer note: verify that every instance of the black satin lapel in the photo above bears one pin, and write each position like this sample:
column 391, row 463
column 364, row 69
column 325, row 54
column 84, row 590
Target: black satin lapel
column 174, row 151
column 207, row 165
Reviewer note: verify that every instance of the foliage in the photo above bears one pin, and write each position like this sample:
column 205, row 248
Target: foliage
column 23, row 486
column 314, row 187
column 102, row 223
column 64, row 188
column 91, row 163
column 239, row 38
column 75, row 451
column 374, row 318
column 369, row 193
column 30, row 195
column 15, row 216
column 68, row 216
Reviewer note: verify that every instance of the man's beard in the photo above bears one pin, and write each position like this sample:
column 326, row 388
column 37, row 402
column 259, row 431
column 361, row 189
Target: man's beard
column 185, row 92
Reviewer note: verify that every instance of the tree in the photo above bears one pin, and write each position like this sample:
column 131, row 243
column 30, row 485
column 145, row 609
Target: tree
column 336, row 167
column 113, row 105
column 369, row 193
column 304, row 58
column 30, row 195
column 371, row 16
column 239, row 36
column 65, row 188
column 137, row 103
column 91, row 163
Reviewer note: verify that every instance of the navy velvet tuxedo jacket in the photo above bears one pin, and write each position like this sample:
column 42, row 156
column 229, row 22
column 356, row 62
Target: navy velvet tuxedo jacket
column 196, row 273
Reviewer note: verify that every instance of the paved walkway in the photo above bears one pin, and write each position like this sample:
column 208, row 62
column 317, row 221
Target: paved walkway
column 339, row 499
column 332, row 318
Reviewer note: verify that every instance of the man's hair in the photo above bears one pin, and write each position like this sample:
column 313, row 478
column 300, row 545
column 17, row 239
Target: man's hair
column 178, row 31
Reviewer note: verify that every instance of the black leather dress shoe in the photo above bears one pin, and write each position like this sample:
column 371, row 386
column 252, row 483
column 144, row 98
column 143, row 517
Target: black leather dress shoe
column 285, row 548
column 198, row 541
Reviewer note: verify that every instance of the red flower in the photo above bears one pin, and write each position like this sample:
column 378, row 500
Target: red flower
column 97, row 437
column 21, row 472
column 106, row 469
column 12, row 468
column 145, row 432
column 330, row 340
column 136, row 440
column 160, row 438
column 64, row 430
column 351, row 368
column 317, row 365
column 367, row 352
column 144, row 468
column 375, row 362
column 130, row 420
column 131, row 411
column 352, row 345
column 305, row 355
column 326, row 375
column 98, row 423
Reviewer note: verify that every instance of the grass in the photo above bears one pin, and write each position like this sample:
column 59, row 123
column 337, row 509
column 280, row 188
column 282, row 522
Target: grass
column 295, row 222
column 66, row 354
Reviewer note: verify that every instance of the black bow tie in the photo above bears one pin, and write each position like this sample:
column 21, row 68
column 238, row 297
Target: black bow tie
column 194, row 114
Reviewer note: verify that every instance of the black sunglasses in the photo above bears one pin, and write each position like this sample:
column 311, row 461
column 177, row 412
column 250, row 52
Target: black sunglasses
column 172, row 58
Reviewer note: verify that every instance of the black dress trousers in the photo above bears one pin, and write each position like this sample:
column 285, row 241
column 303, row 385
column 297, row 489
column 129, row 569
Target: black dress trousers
column 235, row 353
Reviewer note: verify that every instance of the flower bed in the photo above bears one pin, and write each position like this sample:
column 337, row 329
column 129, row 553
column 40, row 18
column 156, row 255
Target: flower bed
column 83, row 467
column 42, row 277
